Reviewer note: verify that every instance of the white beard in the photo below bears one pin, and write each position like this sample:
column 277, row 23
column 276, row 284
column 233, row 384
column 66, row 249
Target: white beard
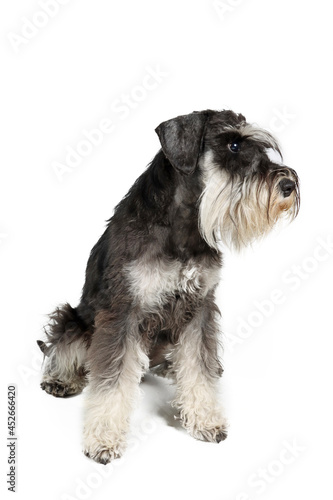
column 239, row 211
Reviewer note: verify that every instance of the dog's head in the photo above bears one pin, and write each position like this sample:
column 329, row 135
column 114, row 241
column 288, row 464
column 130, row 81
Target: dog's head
column 244, row 191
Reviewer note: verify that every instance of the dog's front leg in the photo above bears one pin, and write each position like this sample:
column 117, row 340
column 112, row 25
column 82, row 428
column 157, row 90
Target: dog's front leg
column 116, row 361
column 197, row 371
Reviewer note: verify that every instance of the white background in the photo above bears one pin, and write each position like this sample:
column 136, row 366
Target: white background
column 271, row 61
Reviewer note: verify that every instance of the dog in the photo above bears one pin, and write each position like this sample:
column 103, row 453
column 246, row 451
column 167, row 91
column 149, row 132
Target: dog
column 148, row 299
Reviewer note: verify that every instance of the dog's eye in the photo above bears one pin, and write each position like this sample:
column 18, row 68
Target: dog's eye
column 234, row 147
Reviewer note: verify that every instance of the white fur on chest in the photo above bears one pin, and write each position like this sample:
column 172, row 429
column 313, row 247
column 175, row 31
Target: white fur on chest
column 153, row 283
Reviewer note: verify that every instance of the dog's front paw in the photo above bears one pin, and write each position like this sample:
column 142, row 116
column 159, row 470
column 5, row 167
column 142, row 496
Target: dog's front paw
column 212, row 429
column 103, row 447
column 102, row 454
column 213, row 435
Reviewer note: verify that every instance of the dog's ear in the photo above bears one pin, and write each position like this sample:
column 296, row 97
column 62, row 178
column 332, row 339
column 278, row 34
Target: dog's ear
column 181, row 140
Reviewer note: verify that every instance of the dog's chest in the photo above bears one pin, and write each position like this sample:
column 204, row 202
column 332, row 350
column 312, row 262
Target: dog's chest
column 154, row 283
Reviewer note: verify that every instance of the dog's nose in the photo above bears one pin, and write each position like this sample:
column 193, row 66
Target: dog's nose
column 287, row 186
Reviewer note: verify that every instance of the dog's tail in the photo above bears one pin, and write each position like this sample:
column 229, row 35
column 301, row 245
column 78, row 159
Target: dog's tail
column 67, row 341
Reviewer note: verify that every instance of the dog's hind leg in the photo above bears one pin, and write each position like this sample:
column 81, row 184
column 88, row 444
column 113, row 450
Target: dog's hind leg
column 65, row 351
column 158, row 357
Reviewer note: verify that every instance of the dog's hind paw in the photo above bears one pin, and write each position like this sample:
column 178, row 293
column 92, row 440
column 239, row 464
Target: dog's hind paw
column 61, row 390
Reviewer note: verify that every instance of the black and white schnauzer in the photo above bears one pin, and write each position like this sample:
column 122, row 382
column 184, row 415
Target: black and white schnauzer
column 148, row 299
